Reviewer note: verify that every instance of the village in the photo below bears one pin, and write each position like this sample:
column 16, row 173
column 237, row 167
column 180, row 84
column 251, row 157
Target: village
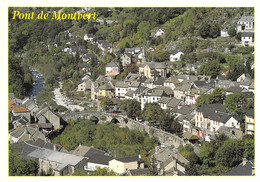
column 204, row 107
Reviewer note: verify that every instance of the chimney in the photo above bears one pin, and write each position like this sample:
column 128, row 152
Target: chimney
column 253, row 171
column 139, row 156
column 80, row 145
column 244, row 161
column 54, row 147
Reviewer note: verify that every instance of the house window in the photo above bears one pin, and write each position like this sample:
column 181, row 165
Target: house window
column 197, row 118
column 201, row 119
column 232, row 123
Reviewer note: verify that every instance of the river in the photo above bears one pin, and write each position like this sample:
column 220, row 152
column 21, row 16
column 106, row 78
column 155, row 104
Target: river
column 38, row 85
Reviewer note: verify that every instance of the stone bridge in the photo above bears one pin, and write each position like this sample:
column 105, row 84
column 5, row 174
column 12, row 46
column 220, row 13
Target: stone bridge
column 164, row 137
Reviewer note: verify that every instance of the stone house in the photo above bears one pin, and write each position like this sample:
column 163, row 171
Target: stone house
column 175, row 55
column 46, row 115
column 247, row 39
column 121, row 88
column 148, row 69
column 203, row 117
column 245, row 24
column 219, row 119
column 112, row 69
column 126, row 59
column 121, row 165
column 250, row 122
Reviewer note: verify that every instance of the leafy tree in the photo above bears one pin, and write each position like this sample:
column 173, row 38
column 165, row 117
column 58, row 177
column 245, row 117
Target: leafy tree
column 230, row 153
column 105, row 102
column 232, row 32
column 152, row 112
column 98, row 172
column 175, row 127
column 204, row 30
column 236, row 104
column 22, row 167
column 214, row 30
column 212, row 68
column 143, row 30
column 202, row 100
column 238, row 36
column 131, row 107
column 218, row 95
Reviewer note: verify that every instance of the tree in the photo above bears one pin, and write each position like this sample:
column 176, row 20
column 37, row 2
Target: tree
column 143, row 30
column 152, row 112
column 131, row 107
column 212, row 68
column 236, row 104
column 105, row 102
column 232, row 32
column 214, row 30
column 22, row 167
column 202, row 100
column 98, row 172
column 204, row 30
column 176, row 127
column 230, row 153
column 218, row 95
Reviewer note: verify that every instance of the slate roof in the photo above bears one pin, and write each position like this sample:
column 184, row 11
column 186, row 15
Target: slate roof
column 186, row 109
column 241, row 170
column 63, row 159
column 173, row 52
column 111, row 64
column 121, row 84
column 86, row 151
column 106, row 86
column 250, row 113
column 129, row 93
column 234, row 89
column 174, row 102
column 247, row 34
column 132, row 77
column 164, row 100
column 209, row 109
column 220, row 117
column 172, row 79
column 100, row 159
column 42, row 144
column 130, row 159
column 89, row 56
column 159, row 81
column 140, row 172
column 154, row 65
column 135, row 84
column 247, row 19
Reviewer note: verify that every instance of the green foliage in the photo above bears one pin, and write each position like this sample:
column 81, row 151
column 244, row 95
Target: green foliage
column 204, row 30
column 232, row 32
column 77, row 132
column 131, row 107
column 236, row 104
column 109, row 137
column 152, row 112
column 209, row 30
column 212, row 68
column 143, row 30
column 98, row 172
column 217, row 96
column 22, row 167
column 238, row 36
column 105, row 102
column 230, row 153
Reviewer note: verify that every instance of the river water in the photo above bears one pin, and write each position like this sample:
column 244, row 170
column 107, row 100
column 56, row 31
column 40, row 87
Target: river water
column 38, row 84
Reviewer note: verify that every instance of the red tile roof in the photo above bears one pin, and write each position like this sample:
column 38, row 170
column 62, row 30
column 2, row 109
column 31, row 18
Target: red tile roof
column 20, row 109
